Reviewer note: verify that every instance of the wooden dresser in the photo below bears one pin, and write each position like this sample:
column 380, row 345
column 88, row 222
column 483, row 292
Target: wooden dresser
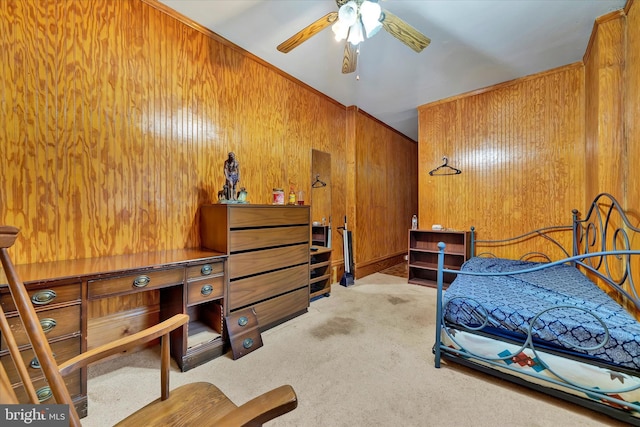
column 88, row 302
column 268, row 265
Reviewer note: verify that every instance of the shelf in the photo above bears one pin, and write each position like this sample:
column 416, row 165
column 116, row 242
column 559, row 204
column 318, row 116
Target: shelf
column 425, row 282
column 320, row 235
column 320, row 264
column 437, row 251
column 423, row 255
column 433, row 266
column 319, row 279
column 200, row 333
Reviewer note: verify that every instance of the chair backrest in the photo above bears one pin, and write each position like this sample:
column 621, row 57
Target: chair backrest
column 34, row 331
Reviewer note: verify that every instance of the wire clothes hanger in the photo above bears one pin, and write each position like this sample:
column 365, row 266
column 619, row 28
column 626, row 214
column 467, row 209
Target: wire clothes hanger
column 445, row 169
column 317, row 183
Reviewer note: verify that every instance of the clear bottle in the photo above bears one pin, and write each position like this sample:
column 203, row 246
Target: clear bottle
column 414, row 222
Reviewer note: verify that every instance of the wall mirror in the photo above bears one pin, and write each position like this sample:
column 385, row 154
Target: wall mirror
column 320, row 198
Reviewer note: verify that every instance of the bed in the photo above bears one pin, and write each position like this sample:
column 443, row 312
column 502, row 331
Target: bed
column 567, row 327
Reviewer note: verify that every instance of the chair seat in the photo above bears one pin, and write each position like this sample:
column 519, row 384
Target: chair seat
column 197, row 404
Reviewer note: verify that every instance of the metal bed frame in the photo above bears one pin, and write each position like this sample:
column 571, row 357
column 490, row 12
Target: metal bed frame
column 602, row 250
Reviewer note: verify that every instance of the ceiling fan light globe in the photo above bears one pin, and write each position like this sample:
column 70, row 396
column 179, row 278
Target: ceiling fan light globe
column 348, row 13
column 370, row 11
column 370, row 14
column 355, row 34
column 340, row 30
column 371, row 28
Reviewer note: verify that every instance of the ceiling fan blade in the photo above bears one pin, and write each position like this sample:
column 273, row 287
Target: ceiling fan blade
column 307, row 32
column 404, row 32
column 350, row 59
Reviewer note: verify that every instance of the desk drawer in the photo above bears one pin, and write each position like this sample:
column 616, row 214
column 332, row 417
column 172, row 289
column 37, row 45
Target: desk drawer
column 205, row 270
column 134, row 282
column 206, row 289
column 62, row 351
column 43, row 296
column 57, row 322
column 44, row 391
column 257, row 288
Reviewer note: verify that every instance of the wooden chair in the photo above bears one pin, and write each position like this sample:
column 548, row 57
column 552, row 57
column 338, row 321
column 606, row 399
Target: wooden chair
column 199, row 404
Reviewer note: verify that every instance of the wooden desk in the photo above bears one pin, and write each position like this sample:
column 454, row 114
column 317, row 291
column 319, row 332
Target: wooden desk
column 94, row 301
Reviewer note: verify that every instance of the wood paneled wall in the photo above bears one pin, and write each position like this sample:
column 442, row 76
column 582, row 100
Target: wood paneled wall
column 631, row 92
column 118, row 115
column 612, row 79
column 533, row 149
column 604, row 118
column 521, row 151
column 116, row 121
column 385, row 194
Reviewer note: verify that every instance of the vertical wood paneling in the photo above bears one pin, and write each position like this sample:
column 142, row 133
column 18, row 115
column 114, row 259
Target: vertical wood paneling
column 604, row 118
column 521, row 154
column 632, row 123
column 612, row 114
column 632, row 111
column 117, row 119
column 386, row 177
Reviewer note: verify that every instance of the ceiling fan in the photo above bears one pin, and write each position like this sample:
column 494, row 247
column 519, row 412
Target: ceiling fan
column 355, row 20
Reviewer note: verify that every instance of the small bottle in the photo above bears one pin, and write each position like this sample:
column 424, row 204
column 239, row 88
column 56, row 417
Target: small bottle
column 414, row 222
column 292, row 197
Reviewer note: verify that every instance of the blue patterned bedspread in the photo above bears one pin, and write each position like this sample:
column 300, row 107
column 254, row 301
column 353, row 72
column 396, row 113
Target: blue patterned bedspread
column 513, row 301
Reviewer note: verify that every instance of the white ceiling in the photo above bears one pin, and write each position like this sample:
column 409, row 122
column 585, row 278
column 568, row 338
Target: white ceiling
column 474, row 44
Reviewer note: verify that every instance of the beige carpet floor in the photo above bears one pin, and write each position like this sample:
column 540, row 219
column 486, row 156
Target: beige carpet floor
column 361, row 357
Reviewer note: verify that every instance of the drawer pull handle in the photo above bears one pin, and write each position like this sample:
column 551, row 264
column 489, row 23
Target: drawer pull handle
column 35, row 363
column 44, row 393
column 206, row 290
column 247, row 343
column 243, row 321
column 141, row 281
column 206, row 270
column 48, row 324
column 43, row 297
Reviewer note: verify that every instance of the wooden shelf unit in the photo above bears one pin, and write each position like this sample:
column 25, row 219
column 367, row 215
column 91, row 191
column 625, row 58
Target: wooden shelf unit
column 320, row 272
column 320, row 235
column 423, row 254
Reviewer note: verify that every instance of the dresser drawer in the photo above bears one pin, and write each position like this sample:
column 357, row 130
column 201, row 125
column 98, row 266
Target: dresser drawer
column 134, row 282
column 282, row 308
column 267, row 216
column 242, row 240
column 249, row 263
column 206, row 289
column 44, row 391
column 57, row 322
column 205, row 270
column 43, row 296
column 257, row 288
column 62, row 351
